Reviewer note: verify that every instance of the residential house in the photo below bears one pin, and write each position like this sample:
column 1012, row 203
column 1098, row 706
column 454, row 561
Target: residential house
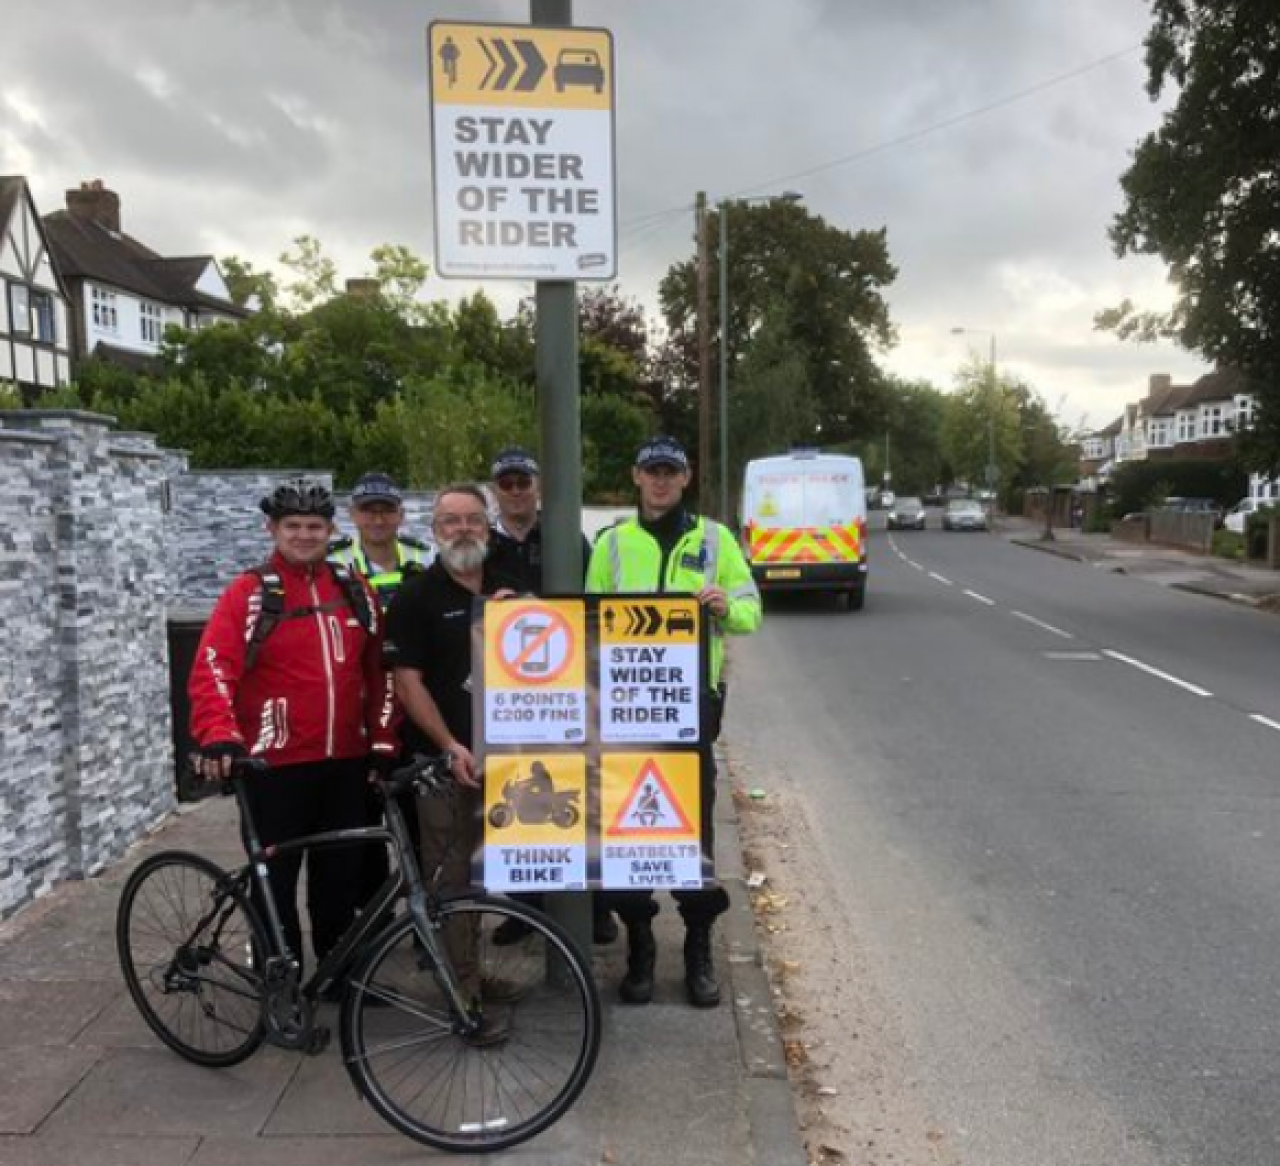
column 122, row 293
column 1195, row 421
column 35, row 349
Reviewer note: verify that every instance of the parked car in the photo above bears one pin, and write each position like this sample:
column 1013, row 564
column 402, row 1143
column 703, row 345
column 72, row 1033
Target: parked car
column 887, row 498
column 906, row 514
column 964, row 514
column 1194, row 506
column 1238, row 516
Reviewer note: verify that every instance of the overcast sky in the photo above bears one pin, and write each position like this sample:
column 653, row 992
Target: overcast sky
column 986, row 136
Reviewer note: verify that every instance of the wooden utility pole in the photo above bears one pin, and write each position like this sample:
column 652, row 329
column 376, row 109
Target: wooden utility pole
column 704, row 356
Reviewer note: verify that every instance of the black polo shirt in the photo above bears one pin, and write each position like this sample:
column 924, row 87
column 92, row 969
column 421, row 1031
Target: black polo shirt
column 522, row 560
column 429, row 630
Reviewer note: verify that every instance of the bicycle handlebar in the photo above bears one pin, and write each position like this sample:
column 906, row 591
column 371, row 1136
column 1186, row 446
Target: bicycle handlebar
column 426, row 774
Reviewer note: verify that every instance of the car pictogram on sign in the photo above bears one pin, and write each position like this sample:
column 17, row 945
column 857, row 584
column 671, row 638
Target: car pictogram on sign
column 578, row 67
column 681, row 621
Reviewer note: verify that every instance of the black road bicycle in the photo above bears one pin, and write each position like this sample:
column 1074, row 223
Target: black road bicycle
column 457, row 1042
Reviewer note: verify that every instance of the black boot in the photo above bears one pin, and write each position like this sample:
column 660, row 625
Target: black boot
column 637, row 985
column 699, row 973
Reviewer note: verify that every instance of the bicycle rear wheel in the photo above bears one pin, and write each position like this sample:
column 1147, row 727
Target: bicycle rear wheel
column 191, row 949
column 501, row 1086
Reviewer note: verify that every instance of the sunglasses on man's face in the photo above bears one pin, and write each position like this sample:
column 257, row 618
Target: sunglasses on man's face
column 510, row 483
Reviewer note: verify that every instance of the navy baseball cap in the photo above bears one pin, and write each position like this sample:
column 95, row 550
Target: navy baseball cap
column 662, row 451
column 376, row 488
column 514, row 460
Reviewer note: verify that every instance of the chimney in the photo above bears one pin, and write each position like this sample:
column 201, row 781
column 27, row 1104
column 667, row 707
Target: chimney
column 96, row 204
column 364, row 289
column 1159, row 382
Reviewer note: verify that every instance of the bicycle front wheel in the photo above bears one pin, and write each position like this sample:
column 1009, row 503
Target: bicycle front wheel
column 191, row 949
column 496, row 1087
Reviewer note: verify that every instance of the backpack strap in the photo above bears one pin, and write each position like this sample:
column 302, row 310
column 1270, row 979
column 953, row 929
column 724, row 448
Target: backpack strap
column 271, row 609
column 356, row 595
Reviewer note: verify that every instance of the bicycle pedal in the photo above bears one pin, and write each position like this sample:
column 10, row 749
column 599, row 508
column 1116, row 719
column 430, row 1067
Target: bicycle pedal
column 318, row 1040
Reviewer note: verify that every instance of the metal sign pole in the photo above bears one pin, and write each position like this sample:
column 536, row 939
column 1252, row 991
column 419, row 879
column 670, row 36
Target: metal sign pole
column 556, row 360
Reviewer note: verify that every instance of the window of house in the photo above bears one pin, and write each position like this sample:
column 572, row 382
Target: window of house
column 43, row 317
column 19, row 309
column 1186, row 427
column 1158, row 431
column 105, row 316
column 1244, row 413
column 1214, row 423
column 152, row 323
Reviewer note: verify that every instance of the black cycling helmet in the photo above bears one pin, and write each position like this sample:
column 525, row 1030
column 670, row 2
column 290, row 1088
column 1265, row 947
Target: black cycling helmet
column 298, row 496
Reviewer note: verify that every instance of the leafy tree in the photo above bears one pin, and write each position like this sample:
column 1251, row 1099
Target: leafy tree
column 1203, row 193
column 832, row 281
column 1142, row 484
column 401, row 275
column 772, row 407
column 315, row 275
column 982, row 419
column 612, row 428
column 913, row 423
column 246, row 283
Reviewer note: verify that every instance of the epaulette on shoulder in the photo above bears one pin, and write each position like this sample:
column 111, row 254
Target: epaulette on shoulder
column 340, row 544
column 617, row 522
column 410, row 541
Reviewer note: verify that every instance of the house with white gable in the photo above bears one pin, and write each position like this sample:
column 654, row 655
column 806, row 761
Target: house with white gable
column 35, row 344
column 123, row 294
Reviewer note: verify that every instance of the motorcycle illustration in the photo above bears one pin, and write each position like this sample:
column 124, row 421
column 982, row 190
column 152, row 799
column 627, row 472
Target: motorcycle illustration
column 534, row 801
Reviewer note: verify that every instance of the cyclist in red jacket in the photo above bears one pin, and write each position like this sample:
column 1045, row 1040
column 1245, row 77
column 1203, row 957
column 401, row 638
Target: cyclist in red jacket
column 289, row 670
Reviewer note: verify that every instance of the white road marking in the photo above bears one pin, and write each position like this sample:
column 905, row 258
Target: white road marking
column 1194, row 689
column 1048, row 627
column 941, row 579
column 1265, row 721
column 980, row 598
column 1085, row 655
column 917, row 566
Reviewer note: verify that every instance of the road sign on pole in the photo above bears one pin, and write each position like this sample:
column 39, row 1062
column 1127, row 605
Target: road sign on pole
column 523, row 151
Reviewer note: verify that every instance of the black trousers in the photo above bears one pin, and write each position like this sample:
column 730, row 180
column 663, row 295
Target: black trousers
column 698, row 908
column 291, row 801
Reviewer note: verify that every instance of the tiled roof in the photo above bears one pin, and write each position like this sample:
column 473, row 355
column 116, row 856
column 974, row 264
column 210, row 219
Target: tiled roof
column 83, row 248
column 1221, row 385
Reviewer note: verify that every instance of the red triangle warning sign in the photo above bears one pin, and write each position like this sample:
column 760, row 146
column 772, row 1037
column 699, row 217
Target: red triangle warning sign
column 650, row 809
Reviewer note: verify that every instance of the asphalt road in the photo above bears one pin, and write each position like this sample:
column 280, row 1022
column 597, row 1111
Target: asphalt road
column 1046, row 798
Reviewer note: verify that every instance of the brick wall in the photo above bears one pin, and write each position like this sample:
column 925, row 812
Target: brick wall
column 106, row 542
column 85, row 758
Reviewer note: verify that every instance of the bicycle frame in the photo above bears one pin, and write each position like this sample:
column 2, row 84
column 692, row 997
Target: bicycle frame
column 405, row 876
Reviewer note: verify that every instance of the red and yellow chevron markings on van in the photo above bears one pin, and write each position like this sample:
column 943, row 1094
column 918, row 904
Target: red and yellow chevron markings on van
column 806, row 544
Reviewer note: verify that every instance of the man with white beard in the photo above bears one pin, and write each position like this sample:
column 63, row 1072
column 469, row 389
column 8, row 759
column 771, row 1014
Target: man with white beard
column 428, row 647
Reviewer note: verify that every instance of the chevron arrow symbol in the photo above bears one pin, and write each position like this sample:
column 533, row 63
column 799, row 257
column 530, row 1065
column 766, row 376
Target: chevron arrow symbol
column 534, row 66
column 509, row 62
column 493, row 64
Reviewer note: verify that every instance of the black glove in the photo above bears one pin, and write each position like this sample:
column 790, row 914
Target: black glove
column 217, row 752
column 383, row 764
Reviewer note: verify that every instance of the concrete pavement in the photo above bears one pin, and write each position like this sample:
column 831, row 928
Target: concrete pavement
column 1239, row 582
column 85, row 1082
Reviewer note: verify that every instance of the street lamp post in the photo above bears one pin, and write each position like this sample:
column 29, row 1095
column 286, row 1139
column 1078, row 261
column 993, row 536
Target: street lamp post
column 993, row 474
column 723, row 208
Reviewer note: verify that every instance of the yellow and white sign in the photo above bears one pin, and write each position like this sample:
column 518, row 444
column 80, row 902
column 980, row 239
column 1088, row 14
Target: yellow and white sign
column 534, row 672
column 650, row 816
column 535, row 827
column 523, row 150
column 649, row 674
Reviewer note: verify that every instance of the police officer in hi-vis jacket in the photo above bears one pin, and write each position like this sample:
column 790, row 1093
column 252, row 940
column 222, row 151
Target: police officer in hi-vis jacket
column 665, row 548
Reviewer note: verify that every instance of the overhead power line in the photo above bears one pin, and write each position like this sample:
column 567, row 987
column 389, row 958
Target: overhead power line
column 660, row 219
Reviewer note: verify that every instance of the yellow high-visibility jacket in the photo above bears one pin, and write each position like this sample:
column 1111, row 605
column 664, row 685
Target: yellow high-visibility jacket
column 627, row 558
